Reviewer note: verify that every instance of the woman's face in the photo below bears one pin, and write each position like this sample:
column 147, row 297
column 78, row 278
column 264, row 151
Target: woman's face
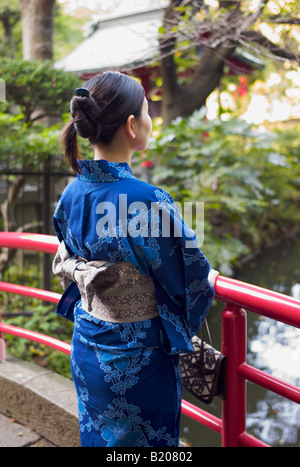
column 142, row 128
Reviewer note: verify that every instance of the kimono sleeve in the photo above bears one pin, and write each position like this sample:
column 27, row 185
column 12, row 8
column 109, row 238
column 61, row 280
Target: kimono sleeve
column 181, row 271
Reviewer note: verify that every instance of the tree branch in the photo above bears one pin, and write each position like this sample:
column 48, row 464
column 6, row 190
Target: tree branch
column 279, row 52
column 277, row 19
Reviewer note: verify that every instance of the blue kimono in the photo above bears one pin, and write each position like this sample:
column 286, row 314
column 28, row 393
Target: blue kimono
column 127, row 375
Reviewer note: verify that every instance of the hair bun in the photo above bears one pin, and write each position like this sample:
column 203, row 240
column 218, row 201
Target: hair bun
column 85, row 112
column 99, row 109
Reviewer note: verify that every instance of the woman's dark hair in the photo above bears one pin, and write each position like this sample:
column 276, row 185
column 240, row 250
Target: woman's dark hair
column 113, row 96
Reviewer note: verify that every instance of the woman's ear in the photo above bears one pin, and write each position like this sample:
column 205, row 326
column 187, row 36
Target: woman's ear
column 130, row 126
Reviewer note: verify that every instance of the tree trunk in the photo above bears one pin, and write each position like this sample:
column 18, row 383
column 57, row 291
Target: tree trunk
column 37, row 29
column 184, row 99
column 193, row 96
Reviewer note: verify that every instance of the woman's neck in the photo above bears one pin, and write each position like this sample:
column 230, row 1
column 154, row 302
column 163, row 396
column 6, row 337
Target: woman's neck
column 113, row 153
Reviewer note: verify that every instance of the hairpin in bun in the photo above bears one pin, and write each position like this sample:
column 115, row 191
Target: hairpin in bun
column 83, row 92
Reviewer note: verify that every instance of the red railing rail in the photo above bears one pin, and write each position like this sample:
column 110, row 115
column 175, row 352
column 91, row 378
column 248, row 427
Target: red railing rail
column 238, row 297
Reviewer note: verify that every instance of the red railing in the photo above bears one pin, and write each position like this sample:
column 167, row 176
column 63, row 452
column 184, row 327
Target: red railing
column 238, row 297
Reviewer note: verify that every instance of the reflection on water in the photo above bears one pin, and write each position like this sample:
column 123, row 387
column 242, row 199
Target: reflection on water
column 272, row 347
column 276, row 350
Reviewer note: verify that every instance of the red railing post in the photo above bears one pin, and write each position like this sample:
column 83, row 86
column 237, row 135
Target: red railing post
column 234, row 347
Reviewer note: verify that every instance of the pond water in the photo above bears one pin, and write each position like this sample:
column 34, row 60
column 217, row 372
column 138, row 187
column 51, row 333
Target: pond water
column 271, row 346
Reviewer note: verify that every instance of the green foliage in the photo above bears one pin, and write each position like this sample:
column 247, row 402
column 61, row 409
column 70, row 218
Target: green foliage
column 30, row 313
column 34, row 85
column 44, row 320
column 34, row 90
column 9, row 8
column 248, row 180
column 10, row 28
column 27, row 147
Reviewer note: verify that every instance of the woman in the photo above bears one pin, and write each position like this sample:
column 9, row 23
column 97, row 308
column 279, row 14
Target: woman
column 138, row 293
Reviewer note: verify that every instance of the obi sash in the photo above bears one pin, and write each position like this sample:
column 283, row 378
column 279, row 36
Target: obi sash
column 114, row 292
